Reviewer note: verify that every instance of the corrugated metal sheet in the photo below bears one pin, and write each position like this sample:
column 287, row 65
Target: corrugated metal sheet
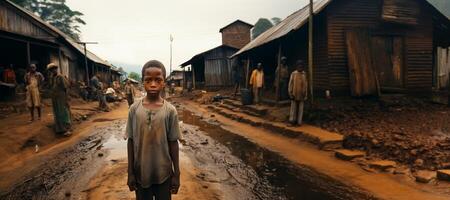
column 91, row 56
column 296, row 20
column 293, row 22
column 200, row 55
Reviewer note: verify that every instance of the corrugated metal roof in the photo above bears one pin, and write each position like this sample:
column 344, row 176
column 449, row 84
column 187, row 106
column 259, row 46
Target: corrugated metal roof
column 91, row 56
column 299, row 18
column 293, row 22
column 201, row 54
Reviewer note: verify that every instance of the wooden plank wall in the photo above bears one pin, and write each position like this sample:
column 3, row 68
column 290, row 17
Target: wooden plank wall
column 321, row 68
column 218, row 72
column 12, row 21
column 419, row 53
column 418, row 40
column 342, row 15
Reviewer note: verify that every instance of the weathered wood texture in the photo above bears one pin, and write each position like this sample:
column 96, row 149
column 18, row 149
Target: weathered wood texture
column 443, row 67
column 418, row 41
column 218, row 72
column 363, row 79
column 401, row 11
column 14, row 22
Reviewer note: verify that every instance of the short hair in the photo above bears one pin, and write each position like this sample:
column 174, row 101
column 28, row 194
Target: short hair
column 156, row 64
column 300, row 63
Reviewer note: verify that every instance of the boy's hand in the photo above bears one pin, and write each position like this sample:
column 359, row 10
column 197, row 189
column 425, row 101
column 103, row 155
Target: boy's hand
column 175, row 183
column 132, row 183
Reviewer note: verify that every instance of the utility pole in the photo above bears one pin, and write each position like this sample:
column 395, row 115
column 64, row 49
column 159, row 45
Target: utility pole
column 171, row 41
column 310, row 50
column 86, row 60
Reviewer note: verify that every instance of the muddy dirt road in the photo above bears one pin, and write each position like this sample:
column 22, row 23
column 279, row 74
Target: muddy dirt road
column 215, row 164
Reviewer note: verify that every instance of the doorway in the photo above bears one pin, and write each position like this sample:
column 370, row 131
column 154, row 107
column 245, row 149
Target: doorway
column 388, row 61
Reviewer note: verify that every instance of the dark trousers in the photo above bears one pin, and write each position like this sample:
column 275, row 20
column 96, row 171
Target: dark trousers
column 159, row 191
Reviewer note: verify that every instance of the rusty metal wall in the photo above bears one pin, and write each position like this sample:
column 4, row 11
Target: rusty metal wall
column 341, row 16
column 418, row 40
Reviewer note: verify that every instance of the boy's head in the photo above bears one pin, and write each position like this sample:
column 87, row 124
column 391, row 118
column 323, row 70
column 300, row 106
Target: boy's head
column 259, row 66
column 300, row 65
column 153, row 77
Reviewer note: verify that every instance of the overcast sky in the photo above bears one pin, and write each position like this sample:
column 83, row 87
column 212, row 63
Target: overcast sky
column 132, row 32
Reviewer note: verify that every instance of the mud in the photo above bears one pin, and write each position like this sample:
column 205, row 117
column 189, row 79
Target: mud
column 278, row 177
column 66, row 174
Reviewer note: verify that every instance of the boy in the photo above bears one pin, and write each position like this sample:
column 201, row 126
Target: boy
column 298, row 92
column 153, row 133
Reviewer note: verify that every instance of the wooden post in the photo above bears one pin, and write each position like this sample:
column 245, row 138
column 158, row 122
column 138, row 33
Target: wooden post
column 28, row 55
column 60, row 63
column 247, row 71
column 277, row 87
column 310, row 51
column 193, row 77
column 184, row 78
column 448, row 87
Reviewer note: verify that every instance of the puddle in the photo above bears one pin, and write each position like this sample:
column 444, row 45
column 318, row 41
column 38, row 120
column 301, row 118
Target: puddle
column 117, row 148
column 288, row 180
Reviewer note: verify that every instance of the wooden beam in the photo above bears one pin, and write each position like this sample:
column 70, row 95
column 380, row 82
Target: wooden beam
column 277, row 88
column 28, row 54
column 247, row 70
column 193, row 77
column 310, row 50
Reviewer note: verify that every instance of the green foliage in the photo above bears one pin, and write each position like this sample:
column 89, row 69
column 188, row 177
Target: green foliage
column 135, row 76
column 275, row 20
column 261, row 25
column 57, row 13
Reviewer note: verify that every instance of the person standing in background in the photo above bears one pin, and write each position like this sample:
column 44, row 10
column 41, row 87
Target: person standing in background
column 298, row 90
column 257, row 82
column 33, row 81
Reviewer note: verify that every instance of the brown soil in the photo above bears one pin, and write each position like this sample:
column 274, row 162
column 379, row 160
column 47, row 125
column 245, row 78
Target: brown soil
column 414, row 132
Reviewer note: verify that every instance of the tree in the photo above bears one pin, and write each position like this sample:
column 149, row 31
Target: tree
column 134, row 76
column 262, row 25
column 275, row 20
column 57, row 13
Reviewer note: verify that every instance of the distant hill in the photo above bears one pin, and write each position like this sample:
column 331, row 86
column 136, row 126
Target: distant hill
column 442, row 5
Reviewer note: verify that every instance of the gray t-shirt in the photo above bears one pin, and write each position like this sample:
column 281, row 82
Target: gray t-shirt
column 151, row 131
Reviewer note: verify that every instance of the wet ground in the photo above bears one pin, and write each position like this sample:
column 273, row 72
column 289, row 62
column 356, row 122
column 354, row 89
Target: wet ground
column 216, row 164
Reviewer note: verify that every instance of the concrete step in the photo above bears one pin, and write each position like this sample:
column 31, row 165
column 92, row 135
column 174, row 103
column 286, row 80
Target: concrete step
column 345, row 154
column 323, row 139
column 248, row 109
column 382, row 164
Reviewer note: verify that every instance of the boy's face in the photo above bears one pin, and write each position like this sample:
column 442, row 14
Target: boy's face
column 153, row 81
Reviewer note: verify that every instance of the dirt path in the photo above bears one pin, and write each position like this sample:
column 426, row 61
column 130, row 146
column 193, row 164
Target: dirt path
column 91, row 164
column 382, row 186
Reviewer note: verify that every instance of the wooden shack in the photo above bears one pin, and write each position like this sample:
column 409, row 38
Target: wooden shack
column 361, row 47
column 213, row 68
column 25, row 38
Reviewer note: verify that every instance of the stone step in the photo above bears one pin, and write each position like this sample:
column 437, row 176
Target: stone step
column 252, row 109
column 443, row 175
column 425, row 176
column 323, row 139
column 382, row 164
column 345, row 154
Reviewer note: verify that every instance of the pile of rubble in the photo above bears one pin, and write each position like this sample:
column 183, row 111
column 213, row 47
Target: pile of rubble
column 412, row 132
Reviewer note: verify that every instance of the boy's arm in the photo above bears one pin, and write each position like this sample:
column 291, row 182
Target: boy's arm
column 131, row 176
column 175, row 182
column 173, row 137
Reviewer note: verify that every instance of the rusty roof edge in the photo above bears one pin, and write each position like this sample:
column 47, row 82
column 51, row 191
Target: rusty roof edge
column 320, row 5
column 91, row 56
